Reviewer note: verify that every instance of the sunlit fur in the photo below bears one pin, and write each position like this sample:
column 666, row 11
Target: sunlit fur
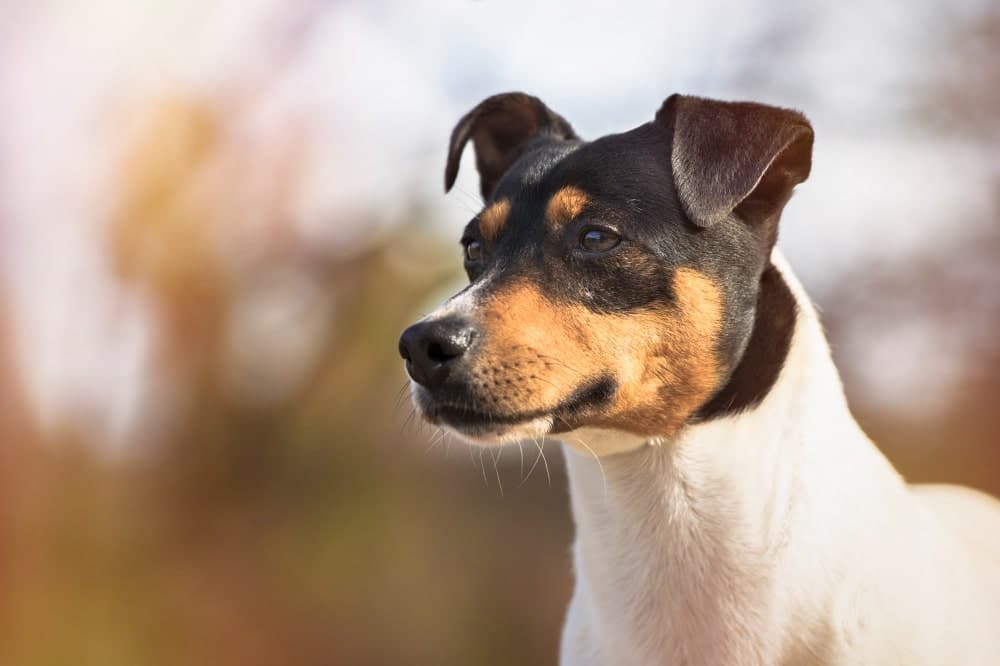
column 777, row 536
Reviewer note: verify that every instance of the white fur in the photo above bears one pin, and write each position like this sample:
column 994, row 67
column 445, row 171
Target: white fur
column 779, row 536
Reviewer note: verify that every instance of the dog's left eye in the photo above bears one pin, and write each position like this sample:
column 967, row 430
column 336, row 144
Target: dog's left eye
column 473, row 251
column 598, row 240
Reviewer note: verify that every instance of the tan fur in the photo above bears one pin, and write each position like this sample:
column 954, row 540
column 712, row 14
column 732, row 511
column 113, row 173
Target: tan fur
column 493, row 218
column 664, row 362
column 565, row 205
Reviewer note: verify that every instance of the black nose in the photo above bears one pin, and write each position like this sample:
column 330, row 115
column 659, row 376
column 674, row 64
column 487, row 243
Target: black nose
column 430, row 348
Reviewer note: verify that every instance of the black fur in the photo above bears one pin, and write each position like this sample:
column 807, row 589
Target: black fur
column 766, row 350
column 701, row 186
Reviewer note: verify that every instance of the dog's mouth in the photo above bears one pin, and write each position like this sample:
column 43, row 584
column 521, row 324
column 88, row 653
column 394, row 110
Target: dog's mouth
column 469, row 418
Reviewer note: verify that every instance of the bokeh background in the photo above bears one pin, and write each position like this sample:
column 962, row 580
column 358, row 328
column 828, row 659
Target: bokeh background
column 216, row 217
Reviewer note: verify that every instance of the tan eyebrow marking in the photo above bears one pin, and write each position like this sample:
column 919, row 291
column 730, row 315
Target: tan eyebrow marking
column 565, row 205
column 493, row 217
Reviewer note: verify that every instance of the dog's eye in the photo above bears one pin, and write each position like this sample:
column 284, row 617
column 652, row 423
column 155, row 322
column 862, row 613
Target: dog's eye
column 473, row 251
column 598, row 240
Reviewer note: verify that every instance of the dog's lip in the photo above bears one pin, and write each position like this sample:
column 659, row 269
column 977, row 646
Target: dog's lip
column 459, row 415
column 466, row 416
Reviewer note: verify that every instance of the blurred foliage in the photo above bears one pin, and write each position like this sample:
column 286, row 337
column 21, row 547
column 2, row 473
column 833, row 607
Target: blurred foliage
column 316, row 531
column 960, row 441
column 311, row 529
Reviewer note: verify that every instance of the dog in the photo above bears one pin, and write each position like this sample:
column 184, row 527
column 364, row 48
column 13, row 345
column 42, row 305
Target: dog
column 626, row 297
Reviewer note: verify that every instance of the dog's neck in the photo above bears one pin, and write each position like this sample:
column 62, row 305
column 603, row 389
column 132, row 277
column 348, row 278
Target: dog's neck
column 677, row 541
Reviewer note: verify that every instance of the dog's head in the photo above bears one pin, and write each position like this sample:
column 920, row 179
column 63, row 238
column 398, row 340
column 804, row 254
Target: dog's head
column 613, row 284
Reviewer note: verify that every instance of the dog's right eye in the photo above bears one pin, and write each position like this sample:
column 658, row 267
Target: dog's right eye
column 598, row 239
column 473, row 251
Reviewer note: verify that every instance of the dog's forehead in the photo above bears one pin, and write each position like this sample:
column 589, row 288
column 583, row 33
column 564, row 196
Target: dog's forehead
column 623, row 179
column 531, row 170
column 551, row 163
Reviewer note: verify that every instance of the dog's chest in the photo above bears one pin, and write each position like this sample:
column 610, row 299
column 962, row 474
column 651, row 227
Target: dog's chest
column 675, row 585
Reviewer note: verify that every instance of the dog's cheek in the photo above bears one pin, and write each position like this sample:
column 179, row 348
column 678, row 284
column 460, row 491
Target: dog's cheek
column 671, row 365
column 664, row 360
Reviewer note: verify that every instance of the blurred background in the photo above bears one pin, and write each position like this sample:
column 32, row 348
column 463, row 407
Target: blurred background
column 215, row 219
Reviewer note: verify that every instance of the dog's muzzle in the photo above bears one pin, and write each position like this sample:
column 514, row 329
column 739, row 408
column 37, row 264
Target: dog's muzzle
column 433, row 349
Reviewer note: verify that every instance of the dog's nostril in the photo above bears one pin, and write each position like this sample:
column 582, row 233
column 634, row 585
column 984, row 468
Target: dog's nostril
column 437, row 353
column 404, row 351
column 448, row 347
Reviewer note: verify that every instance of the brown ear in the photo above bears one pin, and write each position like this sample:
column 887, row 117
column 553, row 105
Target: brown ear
column 735, row 157
column 500, row 128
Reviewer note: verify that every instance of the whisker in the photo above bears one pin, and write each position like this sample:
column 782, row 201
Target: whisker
column 600, row 465
column 534, row 464
column 472, row 456
column 466, row 206
column 482, row 467
column 544, row 461
column 406, row 423
column 496, row 469
column 401, row 393
column 553, row 359
column 438, row 437
column 474, row 199
column 547, row 382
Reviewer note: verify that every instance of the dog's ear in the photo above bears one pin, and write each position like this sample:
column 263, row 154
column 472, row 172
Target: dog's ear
column 501, row 127
column 735, row 157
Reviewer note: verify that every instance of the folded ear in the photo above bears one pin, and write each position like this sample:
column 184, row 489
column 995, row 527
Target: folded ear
column 735, row 157
column 501, row 127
